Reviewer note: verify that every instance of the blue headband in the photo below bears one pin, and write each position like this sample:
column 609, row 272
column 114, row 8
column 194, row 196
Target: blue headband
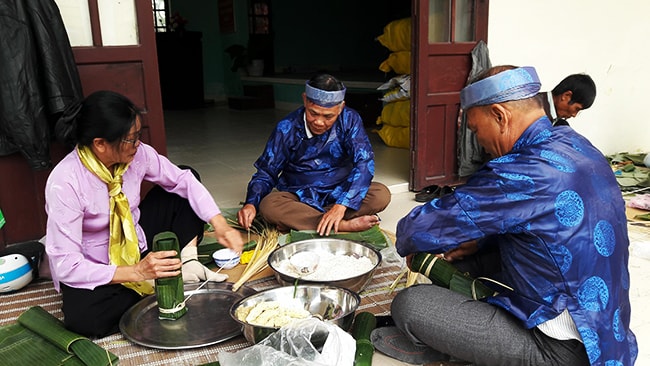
column 324, row 98
column 514, row 84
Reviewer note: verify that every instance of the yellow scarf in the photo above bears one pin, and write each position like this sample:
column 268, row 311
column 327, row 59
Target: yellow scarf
column 123, row 248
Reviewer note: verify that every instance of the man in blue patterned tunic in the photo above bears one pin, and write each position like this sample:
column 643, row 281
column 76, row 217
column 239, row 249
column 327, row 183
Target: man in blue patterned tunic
column 544, row 217
column 321, row 164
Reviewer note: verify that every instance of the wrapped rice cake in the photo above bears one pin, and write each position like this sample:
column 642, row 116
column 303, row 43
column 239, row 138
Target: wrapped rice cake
column 170, row 293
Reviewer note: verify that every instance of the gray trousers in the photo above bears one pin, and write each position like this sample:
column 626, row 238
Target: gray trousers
column 476, row 331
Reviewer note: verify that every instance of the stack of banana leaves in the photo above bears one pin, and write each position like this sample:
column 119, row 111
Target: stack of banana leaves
column 38, row 338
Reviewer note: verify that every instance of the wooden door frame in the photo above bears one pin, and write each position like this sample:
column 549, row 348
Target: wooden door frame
column 440, row 124
column 145, row 52
column 131, row 70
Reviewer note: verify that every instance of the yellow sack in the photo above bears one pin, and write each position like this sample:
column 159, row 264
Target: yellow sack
column 395, row 136
column 397, row 114
column 400, row 62
column 397, row 35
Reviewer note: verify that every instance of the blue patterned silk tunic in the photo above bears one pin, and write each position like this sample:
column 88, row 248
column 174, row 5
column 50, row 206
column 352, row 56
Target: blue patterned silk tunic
column 553, row 206
column 334, row 167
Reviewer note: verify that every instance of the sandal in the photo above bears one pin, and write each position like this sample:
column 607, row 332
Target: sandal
column 393, row 343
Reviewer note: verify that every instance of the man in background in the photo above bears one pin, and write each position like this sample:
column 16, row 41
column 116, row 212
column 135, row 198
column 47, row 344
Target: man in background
column 573, row 94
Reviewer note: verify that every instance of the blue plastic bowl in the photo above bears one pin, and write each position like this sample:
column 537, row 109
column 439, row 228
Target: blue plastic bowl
column 226, row 258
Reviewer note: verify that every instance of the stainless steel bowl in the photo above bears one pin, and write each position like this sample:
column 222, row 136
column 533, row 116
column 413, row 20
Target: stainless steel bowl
column 334, row 246
column 333, row 304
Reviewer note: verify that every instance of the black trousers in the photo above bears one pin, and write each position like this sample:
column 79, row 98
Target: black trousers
column 163, row 211
column 96, row 313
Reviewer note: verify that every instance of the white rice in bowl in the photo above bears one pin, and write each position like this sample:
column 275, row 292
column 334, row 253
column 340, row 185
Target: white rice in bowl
column 331, row 267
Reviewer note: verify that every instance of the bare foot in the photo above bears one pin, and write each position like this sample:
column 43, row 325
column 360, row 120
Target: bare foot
column 360, row 223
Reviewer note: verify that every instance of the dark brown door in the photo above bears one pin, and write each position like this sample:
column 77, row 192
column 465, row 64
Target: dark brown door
column 129, row 69
column 445, row 32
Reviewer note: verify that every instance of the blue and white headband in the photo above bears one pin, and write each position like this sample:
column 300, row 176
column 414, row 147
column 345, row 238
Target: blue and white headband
column 324, row 98
column 514, row 84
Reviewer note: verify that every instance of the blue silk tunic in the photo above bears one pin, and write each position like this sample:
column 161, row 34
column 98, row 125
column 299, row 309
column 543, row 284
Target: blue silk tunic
column 334, row 167
column 553, row 206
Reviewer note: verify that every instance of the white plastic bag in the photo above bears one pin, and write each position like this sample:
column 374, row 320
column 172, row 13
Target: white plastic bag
column 308, row 342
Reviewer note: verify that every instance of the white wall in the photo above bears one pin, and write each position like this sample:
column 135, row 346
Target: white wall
column 605, row 39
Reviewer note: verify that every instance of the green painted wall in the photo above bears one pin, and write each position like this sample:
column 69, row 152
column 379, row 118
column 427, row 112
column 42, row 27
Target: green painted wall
column 309, row 36
column 203, row 16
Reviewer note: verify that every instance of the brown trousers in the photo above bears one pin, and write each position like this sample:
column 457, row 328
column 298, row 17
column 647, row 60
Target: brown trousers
column 285, row 210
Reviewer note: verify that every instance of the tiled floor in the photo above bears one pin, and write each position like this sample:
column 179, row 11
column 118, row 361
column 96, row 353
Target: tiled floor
column 223, row 143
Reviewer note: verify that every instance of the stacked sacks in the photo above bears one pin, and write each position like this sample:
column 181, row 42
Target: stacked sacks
column 395, row 115
column 397, row 38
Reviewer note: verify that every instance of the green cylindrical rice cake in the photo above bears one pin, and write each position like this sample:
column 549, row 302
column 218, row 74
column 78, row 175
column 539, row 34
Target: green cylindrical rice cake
column 169, row 291
column 438, row 271
column 443, row 273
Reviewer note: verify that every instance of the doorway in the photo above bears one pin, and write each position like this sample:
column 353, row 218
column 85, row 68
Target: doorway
column 340, row 37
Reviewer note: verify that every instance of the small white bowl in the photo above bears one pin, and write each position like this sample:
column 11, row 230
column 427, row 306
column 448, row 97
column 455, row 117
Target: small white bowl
column 226, row 258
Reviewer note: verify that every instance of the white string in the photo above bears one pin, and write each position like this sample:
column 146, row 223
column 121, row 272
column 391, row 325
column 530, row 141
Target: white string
column 181, row 305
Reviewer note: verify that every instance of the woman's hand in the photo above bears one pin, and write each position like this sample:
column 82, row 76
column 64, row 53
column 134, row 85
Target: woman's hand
column 158, row 265
column 155, row 265
column 246, row 215
column 226, row 234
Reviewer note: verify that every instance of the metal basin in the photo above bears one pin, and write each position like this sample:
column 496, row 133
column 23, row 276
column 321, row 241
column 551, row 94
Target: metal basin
column 333, row 304
column 334, row 246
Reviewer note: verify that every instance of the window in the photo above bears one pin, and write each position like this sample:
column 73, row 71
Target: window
column 451, row 21
column 160, row 15
column 259, row 17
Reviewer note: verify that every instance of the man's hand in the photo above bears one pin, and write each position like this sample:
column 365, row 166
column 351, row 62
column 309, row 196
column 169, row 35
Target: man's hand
column 463, row 250
column 331, row 220
column 409, row 260
column 246, row 215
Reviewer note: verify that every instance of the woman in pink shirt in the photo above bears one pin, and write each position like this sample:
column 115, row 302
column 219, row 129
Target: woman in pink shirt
column 101, row 272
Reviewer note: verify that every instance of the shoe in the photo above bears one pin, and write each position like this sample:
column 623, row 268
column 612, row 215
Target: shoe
column 393, row 343
column 445, row 191
column 427, row 194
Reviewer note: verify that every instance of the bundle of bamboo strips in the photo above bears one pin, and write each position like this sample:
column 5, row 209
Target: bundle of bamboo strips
column 267, row 243
column 412, row 278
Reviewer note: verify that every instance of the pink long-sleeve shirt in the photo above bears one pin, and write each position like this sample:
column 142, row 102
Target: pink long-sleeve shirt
column 78, row 213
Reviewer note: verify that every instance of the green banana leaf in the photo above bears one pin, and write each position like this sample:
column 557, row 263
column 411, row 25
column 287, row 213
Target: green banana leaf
column 470, row 287
column 38, row 338
column 373, row 237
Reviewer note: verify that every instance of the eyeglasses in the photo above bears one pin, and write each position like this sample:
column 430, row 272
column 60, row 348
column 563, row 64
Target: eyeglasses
column 135, row 140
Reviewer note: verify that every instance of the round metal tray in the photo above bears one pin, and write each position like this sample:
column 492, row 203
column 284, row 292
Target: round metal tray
column 206, row 322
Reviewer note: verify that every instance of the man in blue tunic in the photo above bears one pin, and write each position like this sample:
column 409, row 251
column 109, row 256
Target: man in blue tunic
column 321, row 164
column 546, row 219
